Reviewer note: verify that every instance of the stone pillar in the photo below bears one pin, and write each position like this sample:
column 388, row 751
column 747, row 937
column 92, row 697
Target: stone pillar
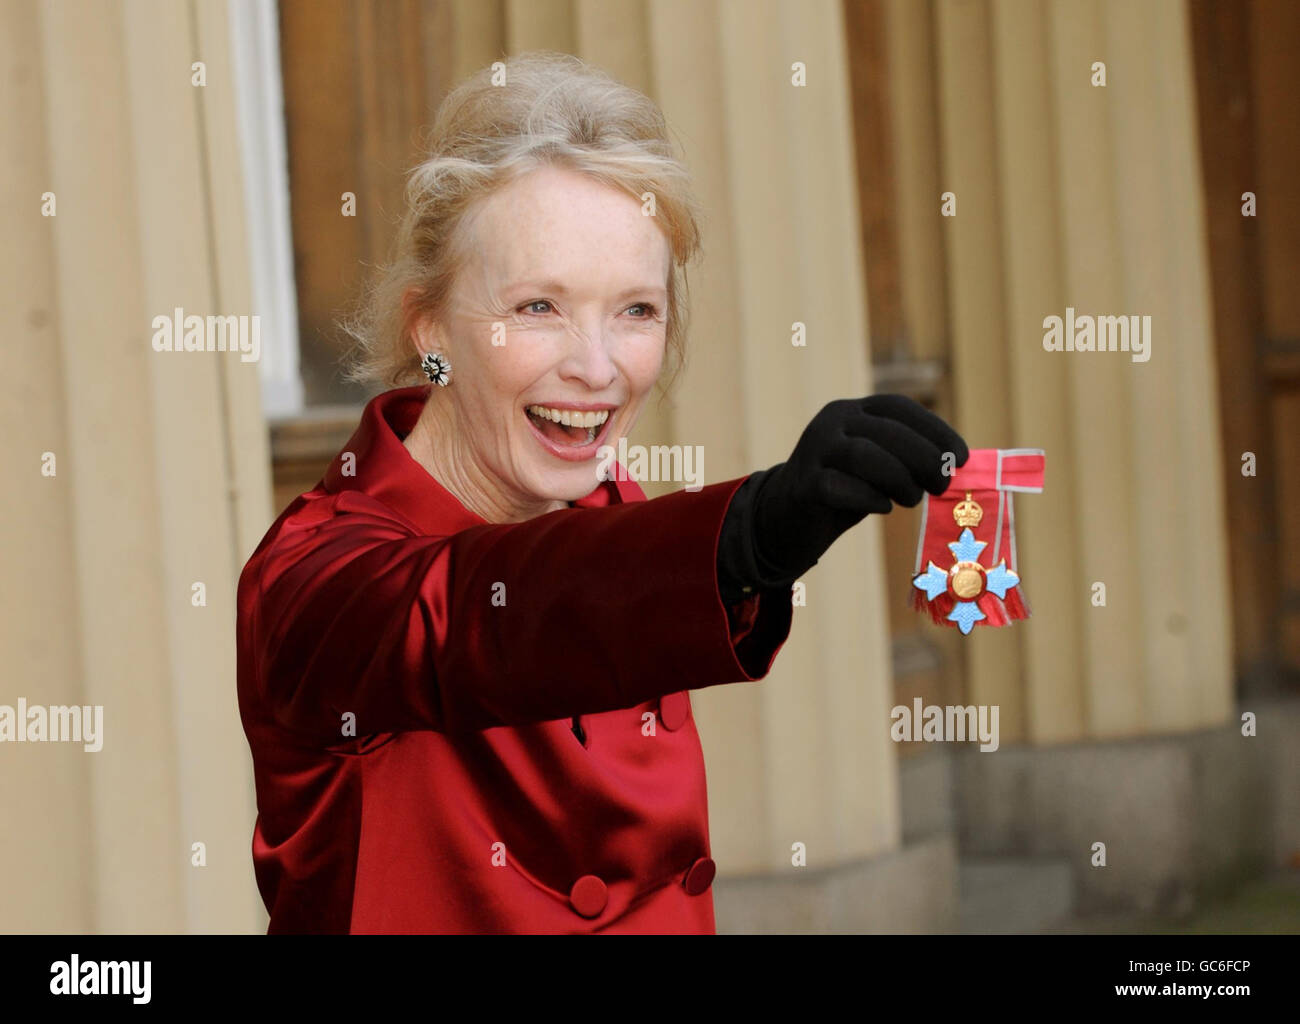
column 161, row 470
column 804, row 756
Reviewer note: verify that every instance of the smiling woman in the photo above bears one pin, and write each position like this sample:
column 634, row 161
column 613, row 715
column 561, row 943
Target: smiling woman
column 537, row 110
column 464, row 656
column 553, row 314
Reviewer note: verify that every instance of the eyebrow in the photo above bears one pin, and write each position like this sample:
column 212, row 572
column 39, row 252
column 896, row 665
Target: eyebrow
column 559, row 288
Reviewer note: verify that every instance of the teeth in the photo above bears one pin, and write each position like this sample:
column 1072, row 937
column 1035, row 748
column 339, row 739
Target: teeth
column 571, row 417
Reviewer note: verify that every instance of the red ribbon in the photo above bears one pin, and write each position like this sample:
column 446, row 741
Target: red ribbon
column 992, row 476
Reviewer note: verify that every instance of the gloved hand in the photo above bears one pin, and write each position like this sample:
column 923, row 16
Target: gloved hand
column 856, row 456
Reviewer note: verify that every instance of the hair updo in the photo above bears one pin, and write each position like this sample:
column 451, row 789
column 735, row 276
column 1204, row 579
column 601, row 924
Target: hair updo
column 551, row 109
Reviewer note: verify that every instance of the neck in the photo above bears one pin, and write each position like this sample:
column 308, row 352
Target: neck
column 440, row 445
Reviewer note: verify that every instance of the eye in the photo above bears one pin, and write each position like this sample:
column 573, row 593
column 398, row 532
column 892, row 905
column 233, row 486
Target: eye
column 529, row 306
column 651, row 311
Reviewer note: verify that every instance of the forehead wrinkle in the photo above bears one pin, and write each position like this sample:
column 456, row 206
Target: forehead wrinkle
column 548, row 241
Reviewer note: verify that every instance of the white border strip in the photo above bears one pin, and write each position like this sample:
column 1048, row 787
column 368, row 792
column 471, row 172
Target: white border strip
column 1011, row 522
column 1017, row 451
column 920, row 542
column 997, row 537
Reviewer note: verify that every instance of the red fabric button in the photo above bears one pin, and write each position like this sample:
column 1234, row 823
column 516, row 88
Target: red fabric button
column 674, row 709
column 700, row 876
column 588, row 896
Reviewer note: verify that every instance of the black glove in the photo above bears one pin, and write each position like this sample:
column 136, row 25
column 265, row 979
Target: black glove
column 855, row 457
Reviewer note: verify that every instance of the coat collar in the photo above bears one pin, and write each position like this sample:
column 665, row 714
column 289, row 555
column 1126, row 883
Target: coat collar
column 375, row 462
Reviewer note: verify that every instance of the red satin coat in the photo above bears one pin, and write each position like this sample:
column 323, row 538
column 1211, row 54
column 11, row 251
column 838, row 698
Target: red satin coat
column 464, row 798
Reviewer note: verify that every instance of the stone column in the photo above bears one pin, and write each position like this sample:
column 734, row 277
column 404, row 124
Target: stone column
column 161, row 470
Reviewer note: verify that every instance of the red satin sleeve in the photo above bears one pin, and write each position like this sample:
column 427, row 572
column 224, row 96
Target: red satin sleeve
column 577, row 612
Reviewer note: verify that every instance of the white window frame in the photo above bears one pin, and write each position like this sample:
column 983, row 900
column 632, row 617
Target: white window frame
column 259, row 98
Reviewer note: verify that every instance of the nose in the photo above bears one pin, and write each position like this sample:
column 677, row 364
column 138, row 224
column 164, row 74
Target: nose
column 587, row 357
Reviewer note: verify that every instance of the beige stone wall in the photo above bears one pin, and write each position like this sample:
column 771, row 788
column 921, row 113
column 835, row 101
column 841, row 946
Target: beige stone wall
column 160, row 480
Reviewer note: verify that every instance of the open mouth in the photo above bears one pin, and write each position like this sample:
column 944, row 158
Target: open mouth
column 568, row 428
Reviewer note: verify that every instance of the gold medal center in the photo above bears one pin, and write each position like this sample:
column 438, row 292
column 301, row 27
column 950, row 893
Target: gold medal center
column 967, row 581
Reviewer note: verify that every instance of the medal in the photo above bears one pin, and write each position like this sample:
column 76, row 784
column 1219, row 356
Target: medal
column 973, row 579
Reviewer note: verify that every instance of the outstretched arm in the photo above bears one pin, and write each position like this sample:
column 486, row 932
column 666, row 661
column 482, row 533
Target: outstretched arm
column 576, row 612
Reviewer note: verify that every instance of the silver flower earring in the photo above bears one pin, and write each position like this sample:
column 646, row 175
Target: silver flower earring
column 438, row 369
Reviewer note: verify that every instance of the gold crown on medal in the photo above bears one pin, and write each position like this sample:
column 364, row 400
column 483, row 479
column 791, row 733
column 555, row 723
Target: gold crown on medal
column 968, row 512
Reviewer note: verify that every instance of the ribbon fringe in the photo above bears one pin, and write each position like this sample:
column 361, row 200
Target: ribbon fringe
column 996, row 612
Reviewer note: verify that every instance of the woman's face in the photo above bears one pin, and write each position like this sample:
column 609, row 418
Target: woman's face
column 558, row 313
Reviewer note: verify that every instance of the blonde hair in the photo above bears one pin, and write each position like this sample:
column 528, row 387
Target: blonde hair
column 552, row 109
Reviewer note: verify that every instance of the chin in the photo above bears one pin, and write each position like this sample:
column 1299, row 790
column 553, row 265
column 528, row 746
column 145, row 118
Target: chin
column 568, row 484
